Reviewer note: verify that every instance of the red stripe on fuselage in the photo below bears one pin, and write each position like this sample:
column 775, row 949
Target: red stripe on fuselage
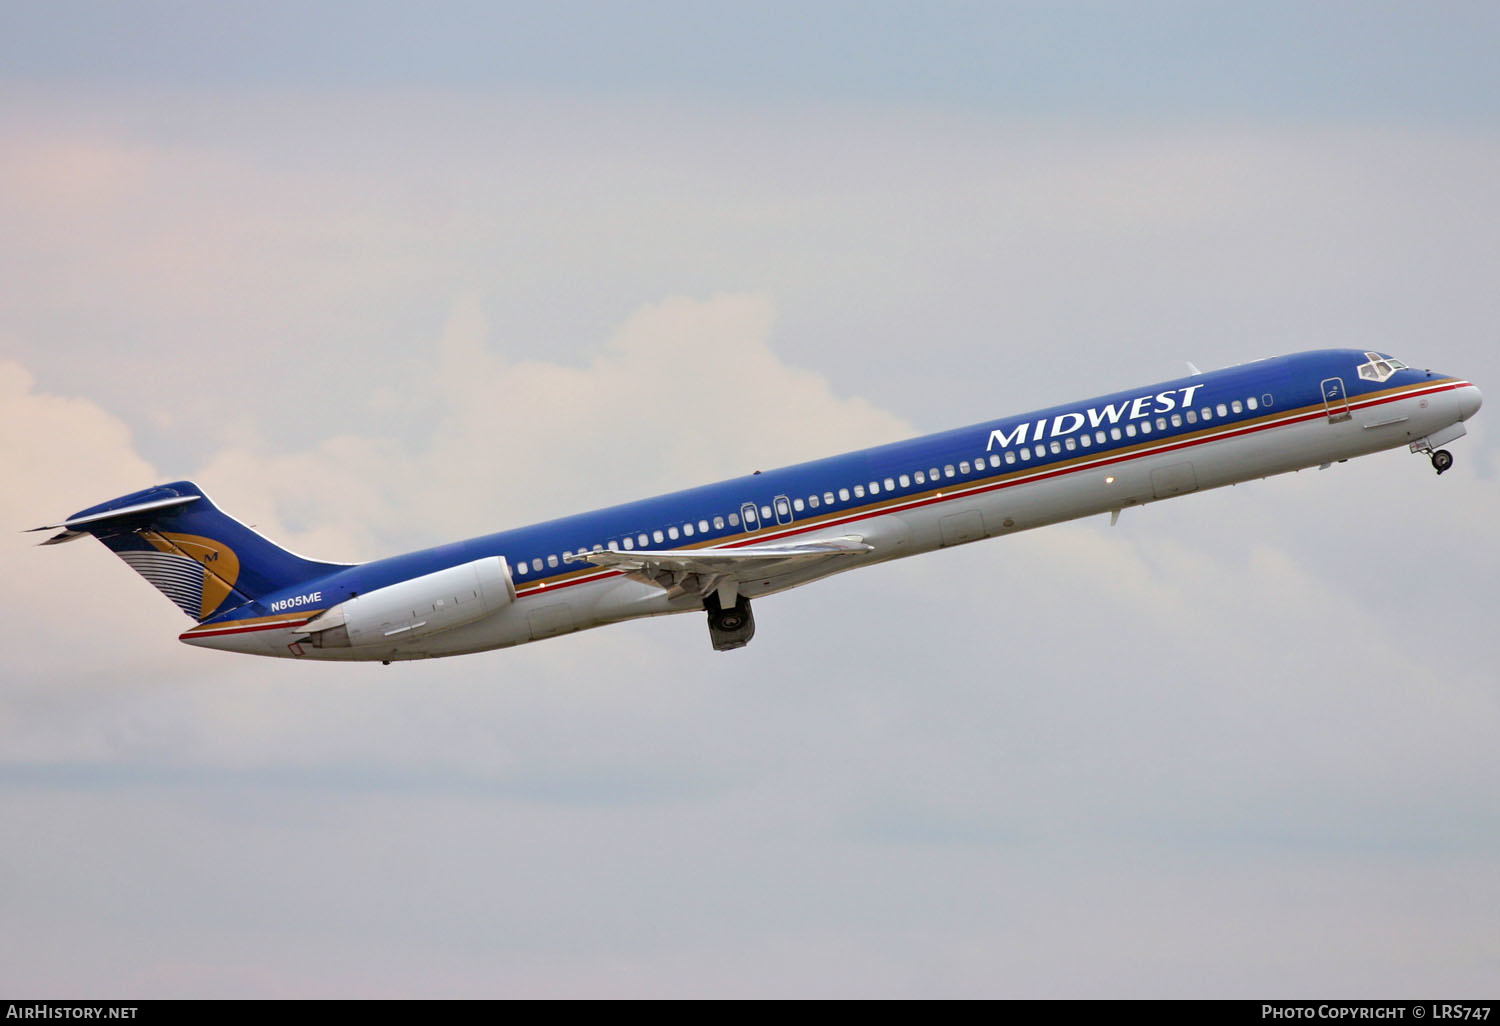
column 220, row 631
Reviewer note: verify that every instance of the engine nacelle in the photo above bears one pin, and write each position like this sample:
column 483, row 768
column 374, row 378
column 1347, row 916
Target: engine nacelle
column 416, row 608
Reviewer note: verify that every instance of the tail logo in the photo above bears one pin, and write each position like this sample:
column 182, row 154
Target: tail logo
column 196, row 573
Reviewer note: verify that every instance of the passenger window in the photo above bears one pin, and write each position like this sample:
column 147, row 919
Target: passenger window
column 874, row 487
column 521, row 568
column 890, row 484
column 703, row 526
column 859, row 491
column 782, row 509
column 812, row 500
column 1069, row 443
column 1040, row 450
column 1161, row 423
column 919, row 477
column 994, row 459
column 1026, row 455
column 963, row 466
column 598, row 548
column 642, row 539
column 1237, row 407
column 843, row 495
column 629, row 544
column 1222, row 410
column 828, row 498
column 765, row 513
column 1114, row 433
column 1192, row 418
column 1130, row 430
column 933, row 474
column 657, row 537
column 948, row 471
column 734, row 520
column 1267, row 401
column 1206, row 413
column 1010, row 457
column 536, row 564
column 798, row 505
column 1145, row 427
column 718, row 523
column 1099, row 437
column 1176, row 420
column 552, row 561
column 671, row 533
column 905, row 481
column 687, row 530
column 1056, row 447
column 1251, row 403
column 614, row 546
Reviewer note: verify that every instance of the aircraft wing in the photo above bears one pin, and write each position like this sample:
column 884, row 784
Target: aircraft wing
column 700, row 571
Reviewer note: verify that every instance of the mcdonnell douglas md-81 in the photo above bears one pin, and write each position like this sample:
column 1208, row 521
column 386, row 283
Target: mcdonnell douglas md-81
column 717, row 547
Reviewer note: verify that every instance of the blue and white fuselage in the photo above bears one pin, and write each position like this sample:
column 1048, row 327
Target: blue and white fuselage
column 720, row 545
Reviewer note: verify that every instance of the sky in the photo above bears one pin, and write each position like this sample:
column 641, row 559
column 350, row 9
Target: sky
column 379, row 277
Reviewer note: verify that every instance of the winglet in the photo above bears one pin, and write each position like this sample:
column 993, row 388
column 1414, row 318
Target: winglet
column 1192, row 368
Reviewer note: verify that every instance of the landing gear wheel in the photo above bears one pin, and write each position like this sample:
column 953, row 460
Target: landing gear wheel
column 1442, row 460
column 729, row 620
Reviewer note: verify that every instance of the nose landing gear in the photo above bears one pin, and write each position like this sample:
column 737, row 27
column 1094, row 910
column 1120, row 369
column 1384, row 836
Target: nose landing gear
column 1442, row 459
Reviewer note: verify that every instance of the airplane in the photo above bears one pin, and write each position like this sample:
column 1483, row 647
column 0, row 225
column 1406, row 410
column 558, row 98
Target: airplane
column 715, row 548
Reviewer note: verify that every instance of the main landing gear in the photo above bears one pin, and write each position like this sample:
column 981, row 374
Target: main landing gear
column 729, row 628
column 1442, row 460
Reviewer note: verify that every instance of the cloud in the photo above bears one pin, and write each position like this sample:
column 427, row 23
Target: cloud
column 57, row 455
column 685, row 392
column 366, row 326
column 318, row 248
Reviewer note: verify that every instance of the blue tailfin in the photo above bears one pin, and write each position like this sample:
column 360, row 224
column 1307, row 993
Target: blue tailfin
column 202, row 559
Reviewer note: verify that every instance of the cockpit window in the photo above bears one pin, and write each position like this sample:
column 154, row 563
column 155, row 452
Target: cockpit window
column 1379, row 367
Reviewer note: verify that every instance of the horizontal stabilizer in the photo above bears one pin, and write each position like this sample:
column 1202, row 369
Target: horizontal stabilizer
column 73, row 524
column 62, row 536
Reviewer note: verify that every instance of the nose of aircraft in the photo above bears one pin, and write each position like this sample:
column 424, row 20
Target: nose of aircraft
column 1469, row 401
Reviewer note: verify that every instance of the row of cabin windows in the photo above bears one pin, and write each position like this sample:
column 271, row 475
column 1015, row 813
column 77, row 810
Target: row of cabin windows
column 933, row 475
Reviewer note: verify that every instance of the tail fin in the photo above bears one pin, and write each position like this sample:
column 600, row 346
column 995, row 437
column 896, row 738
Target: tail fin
column 202, row 559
